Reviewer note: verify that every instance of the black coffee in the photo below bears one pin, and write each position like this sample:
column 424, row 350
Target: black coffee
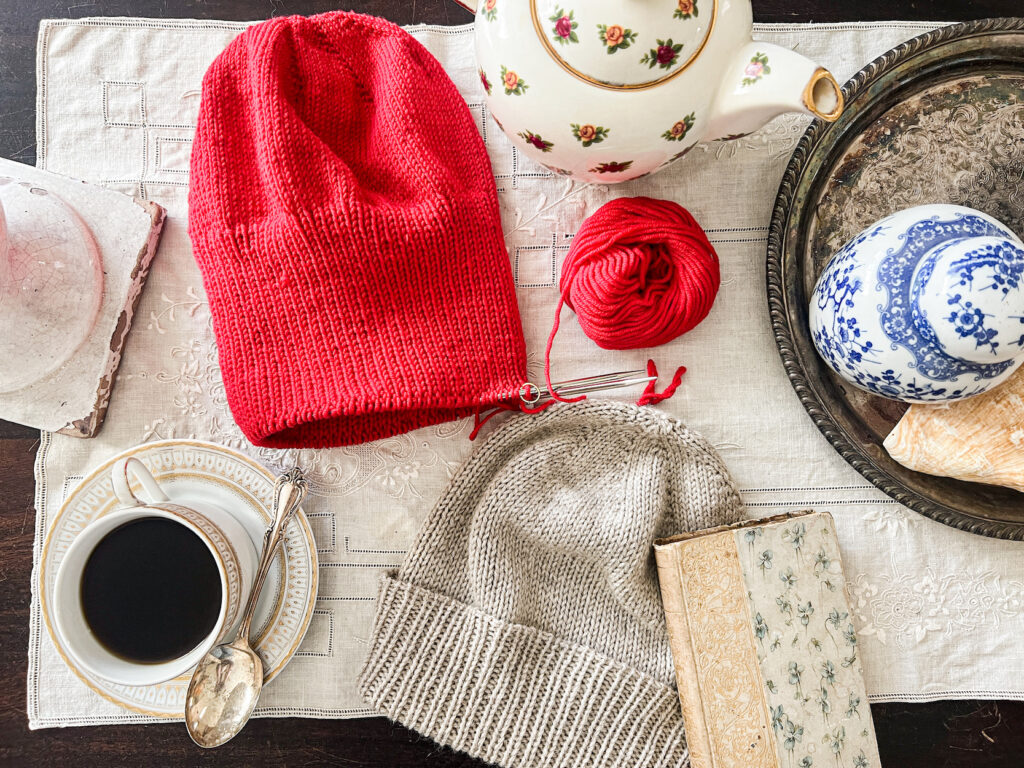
column 151, row 590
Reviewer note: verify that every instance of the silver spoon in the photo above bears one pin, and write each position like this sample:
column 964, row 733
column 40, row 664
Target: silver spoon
column 228, row 679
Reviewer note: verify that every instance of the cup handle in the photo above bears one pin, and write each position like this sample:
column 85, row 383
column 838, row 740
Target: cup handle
column 122, row 488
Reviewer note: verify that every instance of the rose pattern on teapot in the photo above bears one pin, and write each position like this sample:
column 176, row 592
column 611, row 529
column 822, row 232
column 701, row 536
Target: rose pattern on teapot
column 615, row 37
column 756, row 69
column 564, row 31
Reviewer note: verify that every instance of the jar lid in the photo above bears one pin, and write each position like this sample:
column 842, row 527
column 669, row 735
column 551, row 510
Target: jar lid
column 970, row 294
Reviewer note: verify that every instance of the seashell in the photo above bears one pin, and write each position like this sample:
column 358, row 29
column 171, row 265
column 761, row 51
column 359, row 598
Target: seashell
column 980, row 440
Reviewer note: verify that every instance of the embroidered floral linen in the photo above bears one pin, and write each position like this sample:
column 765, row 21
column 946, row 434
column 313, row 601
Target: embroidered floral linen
column 939, row 613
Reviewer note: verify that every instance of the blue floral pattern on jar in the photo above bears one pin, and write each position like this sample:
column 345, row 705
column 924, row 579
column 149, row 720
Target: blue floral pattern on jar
column 923, row 308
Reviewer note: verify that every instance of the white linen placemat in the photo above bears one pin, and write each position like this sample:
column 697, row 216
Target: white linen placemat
column 939, row 611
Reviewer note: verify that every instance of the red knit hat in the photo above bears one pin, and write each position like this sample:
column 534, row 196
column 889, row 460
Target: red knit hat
column 344, row 216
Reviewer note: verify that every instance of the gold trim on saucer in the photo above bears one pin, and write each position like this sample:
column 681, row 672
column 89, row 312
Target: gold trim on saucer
column 553, row 53
column 300, row 519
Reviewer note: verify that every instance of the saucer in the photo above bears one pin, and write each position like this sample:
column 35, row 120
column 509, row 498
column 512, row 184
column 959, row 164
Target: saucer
column 192, row 471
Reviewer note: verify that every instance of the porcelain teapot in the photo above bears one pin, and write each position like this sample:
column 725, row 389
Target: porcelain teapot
column 610, row 90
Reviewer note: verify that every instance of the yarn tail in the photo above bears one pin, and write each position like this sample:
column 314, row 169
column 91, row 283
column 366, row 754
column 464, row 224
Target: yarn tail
column 650, row 396
column 547, row 359
column 481, row 416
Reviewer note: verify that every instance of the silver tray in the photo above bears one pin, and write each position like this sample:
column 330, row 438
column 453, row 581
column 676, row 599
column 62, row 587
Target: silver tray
column 939, row 119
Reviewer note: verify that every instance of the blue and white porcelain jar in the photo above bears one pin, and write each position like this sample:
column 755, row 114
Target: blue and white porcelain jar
column 927, row 305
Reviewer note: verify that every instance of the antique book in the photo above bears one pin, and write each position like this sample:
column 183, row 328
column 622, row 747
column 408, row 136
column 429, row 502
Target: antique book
column 765, row 650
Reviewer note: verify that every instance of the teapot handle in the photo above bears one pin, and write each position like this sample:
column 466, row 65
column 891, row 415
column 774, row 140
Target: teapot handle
column 469, row 5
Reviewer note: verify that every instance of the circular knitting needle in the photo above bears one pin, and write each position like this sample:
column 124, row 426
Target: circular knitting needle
column 228, row 679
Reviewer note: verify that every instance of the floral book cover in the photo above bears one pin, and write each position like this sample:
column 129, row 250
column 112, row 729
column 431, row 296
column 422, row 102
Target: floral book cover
column 765, row 651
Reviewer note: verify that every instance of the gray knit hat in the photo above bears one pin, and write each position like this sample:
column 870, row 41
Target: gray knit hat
column 525, row 627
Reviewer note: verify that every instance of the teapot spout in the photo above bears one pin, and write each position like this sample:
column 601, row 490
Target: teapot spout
column 764, row 81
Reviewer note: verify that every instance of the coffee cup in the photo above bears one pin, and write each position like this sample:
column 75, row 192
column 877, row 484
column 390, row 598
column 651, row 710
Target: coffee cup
column 146, row 589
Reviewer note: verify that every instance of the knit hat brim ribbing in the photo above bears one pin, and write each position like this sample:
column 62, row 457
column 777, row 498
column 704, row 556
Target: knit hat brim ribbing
column 512, row 694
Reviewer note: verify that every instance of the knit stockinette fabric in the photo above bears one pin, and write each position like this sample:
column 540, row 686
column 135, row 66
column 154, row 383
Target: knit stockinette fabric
column 343, row 213
column 525, row 627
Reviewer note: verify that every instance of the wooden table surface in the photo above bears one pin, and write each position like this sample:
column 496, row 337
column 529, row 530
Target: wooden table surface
column 979, row 734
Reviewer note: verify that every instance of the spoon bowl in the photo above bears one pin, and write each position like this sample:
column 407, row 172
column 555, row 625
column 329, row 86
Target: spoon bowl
column 228, row 680
column 223, row 694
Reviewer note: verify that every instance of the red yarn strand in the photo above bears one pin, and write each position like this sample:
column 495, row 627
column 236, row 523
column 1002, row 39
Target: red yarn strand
column 481, row 416
column 547, row 357
column 650, row 396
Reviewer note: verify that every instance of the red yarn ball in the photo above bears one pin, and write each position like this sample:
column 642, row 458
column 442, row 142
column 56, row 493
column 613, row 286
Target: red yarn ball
column 640, row 273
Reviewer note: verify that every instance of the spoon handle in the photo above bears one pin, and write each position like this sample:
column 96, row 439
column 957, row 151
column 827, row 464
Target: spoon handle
column 288, row 494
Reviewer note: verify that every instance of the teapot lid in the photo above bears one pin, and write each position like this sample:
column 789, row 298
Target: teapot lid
column 970, row 294
column 624, row 46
